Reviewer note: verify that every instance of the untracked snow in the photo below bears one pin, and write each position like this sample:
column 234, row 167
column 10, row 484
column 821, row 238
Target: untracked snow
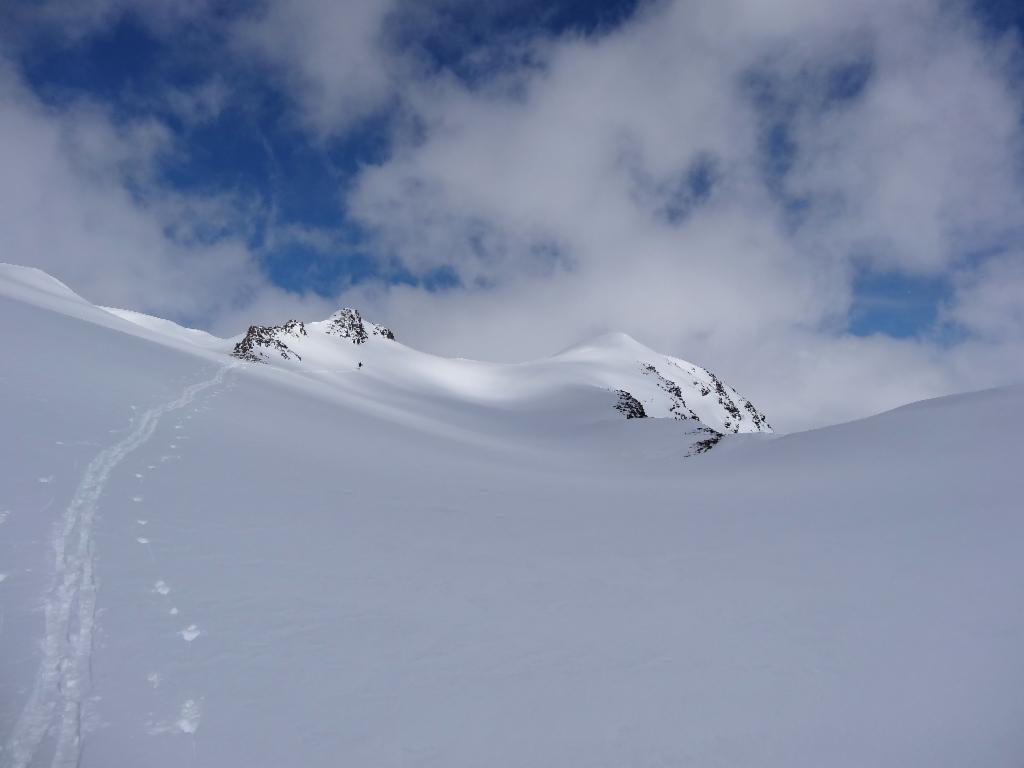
column 419, row 563
column 331, row 350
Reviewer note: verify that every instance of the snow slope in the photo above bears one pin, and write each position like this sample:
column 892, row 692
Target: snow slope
column 622, row 369
column 213, row 563
column 169, row 329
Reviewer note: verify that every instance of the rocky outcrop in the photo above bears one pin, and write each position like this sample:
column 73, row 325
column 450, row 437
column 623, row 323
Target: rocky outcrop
column 349, row 324
column 707, row 439
column 733, row 404
column 759, row 419
column 677, row 407
column 629, row 406
column 733, row 422
column 261, row 341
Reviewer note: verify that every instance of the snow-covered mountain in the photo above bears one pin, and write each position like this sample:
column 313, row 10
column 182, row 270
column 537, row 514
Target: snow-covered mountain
column 637, row 382
column 212, row 562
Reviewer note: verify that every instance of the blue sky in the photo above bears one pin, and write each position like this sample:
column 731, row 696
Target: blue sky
column 830, row 185
column 252, row 145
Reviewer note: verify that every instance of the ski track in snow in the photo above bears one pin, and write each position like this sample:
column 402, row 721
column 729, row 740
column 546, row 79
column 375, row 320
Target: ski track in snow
column 62, row 679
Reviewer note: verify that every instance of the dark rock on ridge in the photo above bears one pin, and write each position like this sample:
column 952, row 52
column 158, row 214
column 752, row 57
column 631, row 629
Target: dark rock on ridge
column 261, row 338
column 629, row 406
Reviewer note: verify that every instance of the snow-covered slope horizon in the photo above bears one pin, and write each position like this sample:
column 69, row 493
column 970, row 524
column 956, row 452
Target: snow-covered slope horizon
column 210, row 562
column 639, row 382
column 642, row 383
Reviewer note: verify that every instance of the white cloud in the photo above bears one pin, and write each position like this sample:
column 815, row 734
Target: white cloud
column 990, row 300
column 926, row 165
column 328, row 54
column 78, row 199
column 548, row 199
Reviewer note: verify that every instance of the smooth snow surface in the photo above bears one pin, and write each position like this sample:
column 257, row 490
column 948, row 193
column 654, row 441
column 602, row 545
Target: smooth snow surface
column 167, row 328
column 230, row 564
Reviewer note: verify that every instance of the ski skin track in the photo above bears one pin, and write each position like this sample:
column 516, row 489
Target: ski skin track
column 62, row 680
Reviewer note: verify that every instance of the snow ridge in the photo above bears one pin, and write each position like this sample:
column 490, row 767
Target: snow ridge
column 62, row 679
column 728, row 398
column 678, row 408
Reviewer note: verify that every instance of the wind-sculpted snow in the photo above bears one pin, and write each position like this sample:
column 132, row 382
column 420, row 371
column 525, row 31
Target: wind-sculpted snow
column 424, row 562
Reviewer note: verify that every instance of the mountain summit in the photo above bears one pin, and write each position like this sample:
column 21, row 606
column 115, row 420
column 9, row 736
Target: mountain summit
column 609, row 378
column 640, row 382
column 262, row 343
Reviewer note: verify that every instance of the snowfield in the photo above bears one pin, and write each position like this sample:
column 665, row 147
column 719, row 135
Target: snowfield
column 211, row 562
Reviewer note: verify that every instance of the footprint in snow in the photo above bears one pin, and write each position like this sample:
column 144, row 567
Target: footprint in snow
column 136, row 499
column 3, row 515
column 191, row 713
column 161, row 588
column 138, row 475
column 154, row 679
column 190, row 633
column 142, row 540
column 186, row 722
column 47, row 479
column 173, row 611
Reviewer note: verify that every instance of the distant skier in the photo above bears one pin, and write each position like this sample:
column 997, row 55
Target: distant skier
column 360, row 363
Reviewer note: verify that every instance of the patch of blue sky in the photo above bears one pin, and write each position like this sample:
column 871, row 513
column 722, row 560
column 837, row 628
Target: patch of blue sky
column 898, row 305
column 999, row 16
column 252, row 149
column 115, row 66
column 299, row 267
column 470, row 39
column 249, row 149
column 690, row 189
column 892, row 303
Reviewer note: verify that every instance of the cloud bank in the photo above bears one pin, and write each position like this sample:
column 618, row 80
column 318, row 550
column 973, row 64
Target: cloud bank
column 708, row 177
